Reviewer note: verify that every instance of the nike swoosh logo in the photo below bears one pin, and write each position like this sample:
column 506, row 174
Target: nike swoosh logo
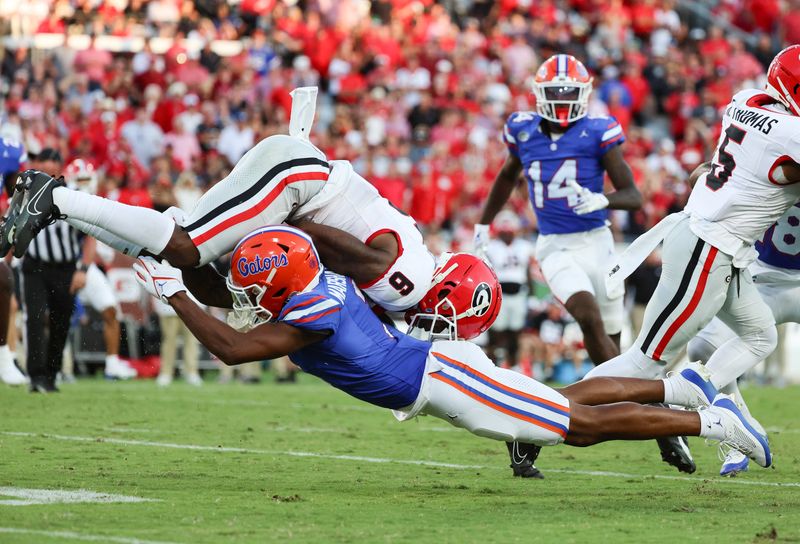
column 34, row 201
column 516, row 458
column 451, row 416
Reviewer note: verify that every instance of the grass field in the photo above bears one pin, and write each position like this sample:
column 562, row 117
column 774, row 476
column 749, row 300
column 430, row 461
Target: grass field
column 306, row 463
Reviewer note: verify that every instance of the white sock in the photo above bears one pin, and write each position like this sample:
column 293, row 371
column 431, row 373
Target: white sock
column 709, row 427
column 111, row 359
column 123, row 246
column 670, row 394
column 141, row 226
column 629, row 364
column 5, row 355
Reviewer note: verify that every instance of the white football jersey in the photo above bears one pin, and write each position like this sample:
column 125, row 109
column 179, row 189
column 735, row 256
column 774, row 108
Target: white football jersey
column 510, row 262
column 745, row 192
column 350, row 203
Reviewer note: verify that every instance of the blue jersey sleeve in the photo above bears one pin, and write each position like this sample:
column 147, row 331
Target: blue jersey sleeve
column 313, row 311
column 610, row 133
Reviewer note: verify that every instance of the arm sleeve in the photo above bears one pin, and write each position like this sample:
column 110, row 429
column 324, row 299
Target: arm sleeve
column 611, row 134
column 312, row 311
column 509, row 138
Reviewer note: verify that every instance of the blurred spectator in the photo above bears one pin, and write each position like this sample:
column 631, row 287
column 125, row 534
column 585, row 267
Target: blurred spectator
column 171, row 329
column 145, row 137
column 236, row 139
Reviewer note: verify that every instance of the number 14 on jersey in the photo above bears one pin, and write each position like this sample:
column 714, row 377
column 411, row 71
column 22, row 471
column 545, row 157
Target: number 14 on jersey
column 557, row 187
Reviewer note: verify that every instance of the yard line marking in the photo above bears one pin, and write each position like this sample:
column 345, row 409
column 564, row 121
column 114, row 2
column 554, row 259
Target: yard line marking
column 437, row 464
column 226, row 449
column 128, row 430
column 81, row 536
column 27, row 497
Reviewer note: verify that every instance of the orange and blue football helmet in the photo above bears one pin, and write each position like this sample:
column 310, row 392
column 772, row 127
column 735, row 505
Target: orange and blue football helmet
column 267, row 267
column 562, row 86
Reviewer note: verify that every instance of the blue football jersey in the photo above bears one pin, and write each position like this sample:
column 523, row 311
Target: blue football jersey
column 12, row 155
column 780, row 245
column 362, row 356
column 548, row 165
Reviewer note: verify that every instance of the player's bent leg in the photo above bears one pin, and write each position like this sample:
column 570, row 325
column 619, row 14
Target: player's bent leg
column 708, row 340
column 583, row 307
column 751, row 319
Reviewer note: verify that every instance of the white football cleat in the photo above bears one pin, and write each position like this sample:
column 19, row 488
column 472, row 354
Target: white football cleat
column 10, row 374
column 164, row 380
column 739, row 433
column 692, row 388
column 734, row 463
column 117, row 369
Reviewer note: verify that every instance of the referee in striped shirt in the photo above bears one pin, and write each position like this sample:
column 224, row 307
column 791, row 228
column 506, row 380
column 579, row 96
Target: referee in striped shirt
column 53, row 271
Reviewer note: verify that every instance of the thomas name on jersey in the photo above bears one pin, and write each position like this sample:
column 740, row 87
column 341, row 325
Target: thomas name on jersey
column 759, row 121
column 549, row 164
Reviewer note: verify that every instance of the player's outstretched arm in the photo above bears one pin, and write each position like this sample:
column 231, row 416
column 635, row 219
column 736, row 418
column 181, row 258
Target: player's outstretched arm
column 625, row 196
column 208, row 286
column 347, row 255
column 504, row 184
column 267, row 341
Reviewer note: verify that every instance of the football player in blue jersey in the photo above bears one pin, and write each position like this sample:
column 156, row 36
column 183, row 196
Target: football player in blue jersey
column 12, row 156
column 564, row 156
column 320, row 319
column 776, row 275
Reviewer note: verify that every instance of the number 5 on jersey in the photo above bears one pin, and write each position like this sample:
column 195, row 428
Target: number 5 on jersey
column 557, row 187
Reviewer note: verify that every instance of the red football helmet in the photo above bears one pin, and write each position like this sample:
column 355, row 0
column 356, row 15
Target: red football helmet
column 267, row 267
column 463, row 301
column 562, row 86
column 783, row 78
column 81, row 175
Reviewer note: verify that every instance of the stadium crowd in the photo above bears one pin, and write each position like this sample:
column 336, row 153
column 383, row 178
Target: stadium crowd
column 414, row 93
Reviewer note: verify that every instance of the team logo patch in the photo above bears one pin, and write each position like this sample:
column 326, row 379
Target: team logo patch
column 523, row 136
column 247, row 267
column 482, row 299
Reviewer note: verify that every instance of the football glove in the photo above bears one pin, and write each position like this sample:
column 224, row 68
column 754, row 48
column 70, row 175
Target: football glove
column 480, row 241
column 588, row 201
column 159, row 279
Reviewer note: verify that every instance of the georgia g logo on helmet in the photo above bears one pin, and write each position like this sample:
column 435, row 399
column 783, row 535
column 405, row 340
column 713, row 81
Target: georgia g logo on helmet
column 482, row 299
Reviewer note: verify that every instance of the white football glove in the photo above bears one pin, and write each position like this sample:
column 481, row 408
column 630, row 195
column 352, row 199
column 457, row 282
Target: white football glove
column 159, row 279
column 588, row 201
column 480, row 241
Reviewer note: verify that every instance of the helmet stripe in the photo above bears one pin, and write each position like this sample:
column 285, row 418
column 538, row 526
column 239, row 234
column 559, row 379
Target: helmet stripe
column 562, row 65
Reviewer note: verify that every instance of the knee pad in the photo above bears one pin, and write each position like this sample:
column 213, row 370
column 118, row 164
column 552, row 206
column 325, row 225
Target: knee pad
column 761, row 342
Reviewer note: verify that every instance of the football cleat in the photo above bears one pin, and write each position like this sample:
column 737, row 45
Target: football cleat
column 7, row 228
column 734, row 463
column 692, row 387
column 675, row 452
column 522, row 459
column 37, row 209
column 739, row 433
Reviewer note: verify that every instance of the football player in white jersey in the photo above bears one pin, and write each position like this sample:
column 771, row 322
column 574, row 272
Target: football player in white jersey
column 754, row 180
column 510, row 255
column 776, row 275
column 281, row 179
